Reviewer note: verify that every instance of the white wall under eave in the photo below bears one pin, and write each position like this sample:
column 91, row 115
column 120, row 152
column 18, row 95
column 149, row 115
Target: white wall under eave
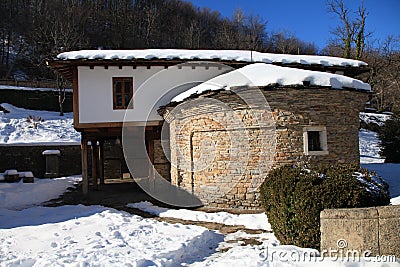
column 153, row 88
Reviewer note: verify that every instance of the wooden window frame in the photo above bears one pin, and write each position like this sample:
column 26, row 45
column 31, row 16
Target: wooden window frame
column 323, row 141
column 124, row 105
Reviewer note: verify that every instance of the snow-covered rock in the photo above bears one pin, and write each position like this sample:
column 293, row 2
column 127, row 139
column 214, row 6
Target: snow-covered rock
column 395, row 201
column 28, row 174
column 51, row 152
column 11, row 172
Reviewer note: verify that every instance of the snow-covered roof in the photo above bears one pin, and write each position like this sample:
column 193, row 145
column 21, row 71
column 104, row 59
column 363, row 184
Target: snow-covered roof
column 222, row 55
column 51, row 152
column 261, row 75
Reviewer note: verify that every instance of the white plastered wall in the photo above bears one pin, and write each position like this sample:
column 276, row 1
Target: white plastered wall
column 153, row 87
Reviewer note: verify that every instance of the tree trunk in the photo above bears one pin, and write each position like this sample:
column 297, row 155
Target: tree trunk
column 61, row 93
column 60, row 104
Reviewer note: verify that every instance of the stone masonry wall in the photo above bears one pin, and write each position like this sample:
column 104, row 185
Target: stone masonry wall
column 30, row 158
column 161, row 163
column 337, row 110
column 223, row 149
column 374, row 231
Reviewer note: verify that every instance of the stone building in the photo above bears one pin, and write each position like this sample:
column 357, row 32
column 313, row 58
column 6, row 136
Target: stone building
column 223, row 119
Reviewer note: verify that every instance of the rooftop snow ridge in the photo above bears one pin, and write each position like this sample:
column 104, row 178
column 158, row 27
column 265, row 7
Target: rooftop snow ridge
column 223, row 55
column 262, row 75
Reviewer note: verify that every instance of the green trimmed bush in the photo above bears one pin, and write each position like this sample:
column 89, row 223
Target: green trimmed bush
column 390, row 140
column 293, row 198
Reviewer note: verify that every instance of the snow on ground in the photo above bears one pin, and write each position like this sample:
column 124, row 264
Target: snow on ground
column 390, row 172
column 98, row 236
column 374, row 118
column 371, row 160
column 22, row 195
column 369, row 147
column 15, row 128
column 233, row 252
column 89, row 235
column 250, row 221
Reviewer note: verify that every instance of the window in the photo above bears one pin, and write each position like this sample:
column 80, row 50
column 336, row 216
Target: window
column 314, row 143
column 122, row 92
column 315, row 140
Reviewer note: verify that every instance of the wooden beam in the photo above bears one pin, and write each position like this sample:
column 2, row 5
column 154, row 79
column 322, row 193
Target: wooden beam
column 82, row 126
column 75, row 97
column 94, row 163
column 101, row 161
column 150, row 152
column 84, row 152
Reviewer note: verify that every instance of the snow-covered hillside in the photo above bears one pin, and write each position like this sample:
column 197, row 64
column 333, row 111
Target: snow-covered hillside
column 369, row 147
column 374, row 118
column 15, row 127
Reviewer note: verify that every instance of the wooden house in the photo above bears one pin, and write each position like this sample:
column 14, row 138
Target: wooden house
column 312, row 102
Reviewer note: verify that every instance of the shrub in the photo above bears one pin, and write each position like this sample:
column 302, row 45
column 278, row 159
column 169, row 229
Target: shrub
column 390, row 139
column 293, row 198
column 34, row 121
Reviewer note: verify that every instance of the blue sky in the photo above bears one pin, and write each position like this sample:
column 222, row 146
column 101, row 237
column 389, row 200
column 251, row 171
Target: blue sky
column 309, row 19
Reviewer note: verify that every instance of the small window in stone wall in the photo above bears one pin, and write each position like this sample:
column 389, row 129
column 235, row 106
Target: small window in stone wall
column 315, row 140
column 314, row 143
column 122, row 92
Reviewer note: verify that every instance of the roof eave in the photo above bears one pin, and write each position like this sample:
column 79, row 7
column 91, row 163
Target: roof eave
column 65, row 67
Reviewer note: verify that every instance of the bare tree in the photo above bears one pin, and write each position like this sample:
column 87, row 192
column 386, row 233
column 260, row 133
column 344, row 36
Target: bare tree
column 55, row 33
column 345, row 30
column 384, row 61
column 256, row 32
column 14, row 20
column 193, row 35
column 360, row 31
column 351, row 31
column 285, row 42
column 61, row 86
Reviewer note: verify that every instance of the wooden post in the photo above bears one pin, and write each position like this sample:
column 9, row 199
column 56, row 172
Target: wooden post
column 191, row 161
column 150, row 152
column 84, row 152
column 94, row 163
column 101, row 161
